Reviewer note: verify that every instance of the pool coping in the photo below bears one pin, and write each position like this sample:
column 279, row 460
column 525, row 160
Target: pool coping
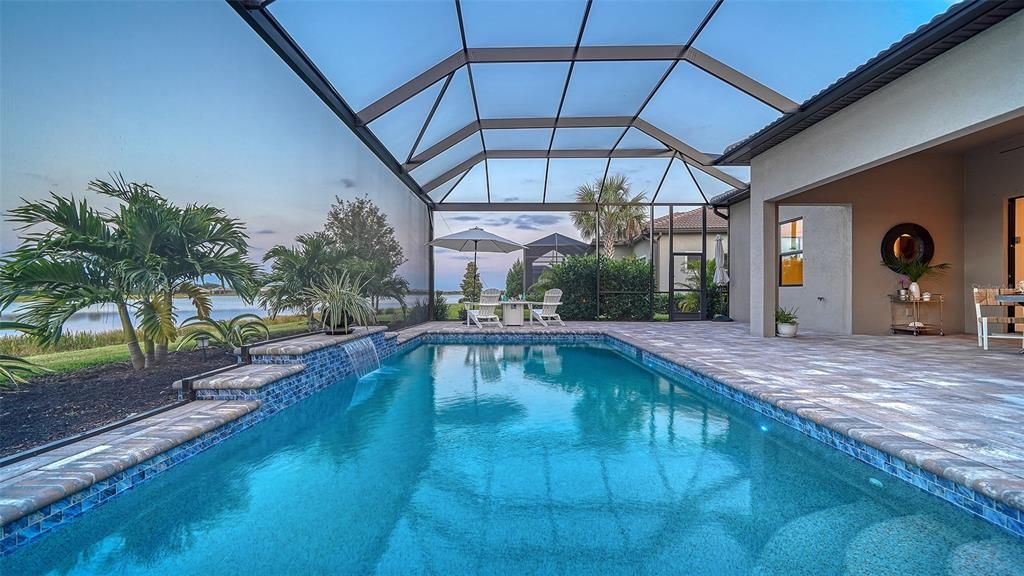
column 981, row 490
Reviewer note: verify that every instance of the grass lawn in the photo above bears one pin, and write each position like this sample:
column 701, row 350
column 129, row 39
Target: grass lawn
column 71, row 360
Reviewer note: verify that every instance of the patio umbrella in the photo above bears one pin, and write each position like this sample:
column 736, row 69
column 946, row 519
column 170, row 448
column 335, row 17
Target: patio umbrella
column 475, row 240
column 721, row 274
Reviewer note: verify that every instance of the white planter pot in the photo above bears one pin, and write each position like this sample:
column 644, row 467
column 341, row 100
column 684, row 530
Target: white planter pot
column 915, row 291
column 786, row 330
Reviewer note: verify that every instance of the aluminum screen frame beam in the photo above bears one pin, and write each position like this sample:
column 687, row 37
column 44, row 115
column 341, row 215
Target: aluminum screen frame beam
column 275, row 36
column 510, row 55
column 542, row 206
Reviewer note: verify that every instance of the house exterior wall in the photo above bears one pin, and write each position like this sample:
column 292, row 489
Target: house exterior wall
column 924, row 189
column 739, row 262
column 823, row 302
column 992, row 175
column 955, row 94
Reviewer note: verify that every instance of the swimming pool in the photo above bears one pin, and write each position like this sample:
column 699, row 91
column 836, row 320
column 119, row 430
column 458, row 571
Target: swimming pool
column 566, row 459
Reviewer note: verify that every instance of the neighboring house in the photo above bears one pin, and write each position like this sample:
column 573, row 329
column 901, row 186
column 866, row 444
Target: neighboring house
column 686, row 237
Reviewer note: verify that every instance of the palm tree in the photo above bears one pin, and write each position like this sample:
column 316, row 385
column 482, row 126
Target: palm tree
column 184, row 245
column 296, row 269
column 12, row 368
column 136, row 257
column 227, row 334
column 619, row 215
column 78, row 260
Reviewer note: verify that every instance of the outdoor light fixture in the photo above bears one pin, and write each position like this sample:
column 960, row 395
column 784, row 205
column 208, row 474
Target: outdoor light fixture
column 203, row 342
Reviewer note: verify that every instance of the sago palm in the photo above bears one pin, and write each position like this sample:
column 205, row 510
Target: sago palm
column 620, row 215
column 226, row 334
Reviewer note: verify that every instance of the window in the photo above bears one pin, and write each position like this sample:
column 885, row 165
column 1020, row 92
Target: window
column 791, row 252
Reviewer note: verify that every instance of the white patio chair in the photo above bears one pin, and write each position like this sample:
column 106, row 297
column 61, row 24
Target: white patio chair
column 484, row 312
column 548, row 309
column 990, row 311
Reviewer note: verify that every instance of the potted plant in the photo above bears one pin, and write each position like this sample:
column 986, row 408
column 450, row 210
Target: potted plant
column 342, row 304
column 915, row 270
column 785, row 322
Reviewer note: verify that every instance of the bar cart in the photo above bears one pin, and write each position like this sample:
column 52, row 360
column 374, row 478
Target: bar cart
column 916, row 315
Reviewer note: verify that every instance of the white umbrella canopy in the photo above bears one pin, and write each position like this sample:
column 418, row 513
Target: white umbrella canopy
column 721, row 274
column 474, row 240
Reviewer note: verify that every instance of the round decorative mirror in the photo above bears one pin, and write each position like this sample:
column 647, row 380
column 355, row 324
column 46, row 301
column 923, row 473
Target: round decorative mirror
column 907, row 242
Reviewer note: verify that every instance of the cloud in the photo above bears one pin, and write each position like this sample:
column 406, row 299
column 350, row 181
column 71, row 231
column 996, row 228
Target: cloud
column 265, row 231
column 536, row 221
column 465, row 218
column 344, row 183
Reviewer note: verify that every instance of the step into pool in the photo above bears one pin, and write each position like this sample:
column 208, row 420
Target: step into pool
column 521, row 459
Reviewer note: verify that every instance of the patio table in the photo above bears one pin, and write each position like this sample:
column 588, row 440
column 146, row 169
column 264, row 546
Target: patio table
column 512, row 312
column 1011, row 299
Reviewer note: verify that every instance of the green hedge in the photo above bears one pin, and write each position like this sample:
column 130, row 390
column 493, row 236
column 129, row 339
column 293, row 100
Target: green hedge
column 577, row 278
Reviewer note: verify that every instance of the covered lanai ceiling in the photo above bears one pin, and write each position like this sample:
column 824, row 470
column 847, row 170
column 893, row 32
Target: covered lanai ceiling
column 498, row 104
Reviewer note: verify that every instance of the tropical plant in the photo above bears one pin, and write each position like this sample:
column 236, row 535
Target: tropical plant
column 227, row 334
column 135, row 257
column 76, row 259
column 784, row 316
column 12, row 368
column 340, row 300
column 915, row 269
column 514, row 280
column 717, row 297
column 440, row 306
column 295, row 270
column 620, row 215
column 183, row 245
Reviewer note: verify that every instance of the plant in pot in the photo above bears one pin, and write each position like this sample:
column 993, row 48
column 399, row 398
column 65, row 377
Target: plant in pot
column 785, row 322
column 914, row 270
column 342, row 304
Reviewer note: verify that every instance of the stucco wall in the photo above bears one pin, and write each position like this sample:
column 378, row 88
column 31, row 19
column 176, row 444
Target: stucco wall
column 823, row 302
column 925, row 189
column 992, row 175
column 739, row 262
column 971, row 87
column 974, row 85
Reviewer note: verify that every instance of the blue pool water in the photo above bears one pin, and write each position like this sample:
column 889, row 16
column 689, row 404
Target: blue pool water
column 521, row 460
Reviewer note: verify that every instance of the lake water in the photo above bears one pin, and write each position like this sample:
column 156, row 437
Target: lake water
column 104, row 318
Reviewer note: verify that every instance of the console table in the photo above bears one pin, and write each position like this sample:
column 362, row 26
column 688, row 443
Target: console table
column 916, row 316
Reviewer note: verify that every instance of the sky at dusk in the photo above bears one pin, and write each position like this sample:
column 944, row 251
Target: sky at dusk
column 184, row 95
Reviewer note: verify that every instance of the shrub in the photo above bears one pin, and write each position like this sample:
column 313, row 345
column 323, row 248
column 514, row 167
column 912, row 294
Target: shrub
column 440, row 306
column 577, row 278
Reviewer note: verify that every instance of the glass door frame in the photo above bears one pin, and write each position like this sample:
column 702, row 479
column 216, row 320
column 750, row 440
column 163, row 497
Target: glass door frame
column 673, row 313
column 1014, row 238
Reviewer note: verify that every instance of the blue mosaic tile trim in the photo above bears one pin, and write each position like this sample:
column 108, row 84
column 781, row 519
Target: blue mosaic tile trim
column 30, row 528
column 963, row 497
column 322, row 368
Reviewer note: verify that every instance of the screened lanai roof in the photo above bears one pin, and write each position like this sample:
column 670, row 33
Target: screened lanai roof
column 500, row 104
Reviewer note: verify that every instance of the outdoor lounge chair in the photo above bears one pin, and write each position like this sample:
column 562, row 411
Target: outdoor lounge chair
column 484, row 312
column 990, row 311
column 548, row 309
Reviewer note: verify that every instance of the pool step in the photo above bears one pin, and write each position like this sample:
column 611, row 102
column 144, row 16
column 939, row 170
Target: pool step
column 30, row 486
column 246, row 377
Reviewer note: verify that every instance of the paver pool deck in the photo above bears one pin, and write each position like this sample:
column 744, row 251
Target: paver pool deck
column 940, row 403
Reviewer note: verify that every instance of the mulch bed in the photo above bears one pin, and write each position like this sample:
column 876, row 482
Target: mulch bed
column 55, row 406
